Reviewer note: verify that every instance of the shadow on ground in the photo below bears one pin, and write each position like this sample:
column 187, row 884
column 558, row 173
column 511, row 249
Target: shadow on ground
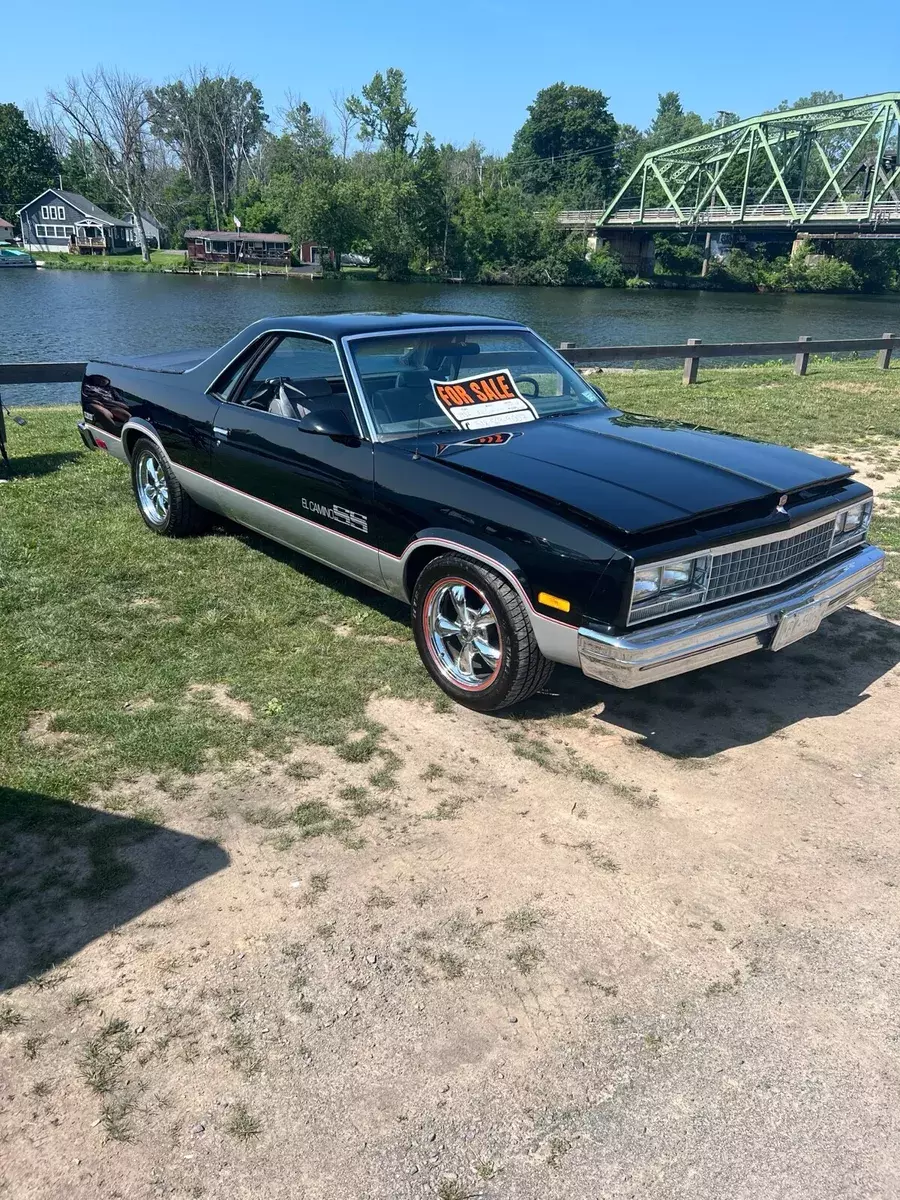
column 31, row 466
column 742, row 701
column 69, row 874
column 703, row 712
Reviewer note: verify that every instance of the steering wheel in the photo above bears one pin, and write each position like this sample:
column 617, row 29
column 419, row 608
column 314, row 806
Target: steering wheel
column 528, row 379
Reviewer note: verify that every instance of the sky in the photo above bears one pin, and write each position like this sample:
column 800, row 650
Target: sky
column 473, row 66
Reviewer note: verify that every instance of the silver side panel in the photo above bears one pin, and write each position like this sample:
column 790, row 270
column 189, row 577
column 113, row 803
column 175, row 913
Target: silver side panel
column 113, row 445
column 345, row 554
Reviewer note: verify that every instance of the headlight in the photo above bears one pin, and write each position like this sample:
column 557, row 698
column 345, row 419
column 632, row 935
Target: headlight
column 676, row 575
column 854, row 519
column 673, row 577
column 646, row 583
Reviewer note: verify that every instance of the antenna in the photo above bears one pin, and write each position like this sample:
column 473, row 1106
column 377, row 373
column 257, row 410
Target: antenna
column 416, row 454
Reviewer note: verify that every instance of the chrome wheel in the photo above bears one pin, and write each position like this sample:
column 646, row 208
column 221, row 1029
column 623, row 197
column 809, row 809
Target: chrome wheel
column 463, row 634
column 152, row 489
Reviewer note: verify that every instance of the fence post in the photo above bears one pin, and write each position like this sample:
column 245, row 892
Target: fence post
column 884, row 356
column 801, row 360
column 691, row 363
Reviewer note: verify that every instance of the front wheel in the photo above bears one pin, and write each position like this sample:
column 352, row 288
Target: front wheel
column 474, row 635
column 163, row 503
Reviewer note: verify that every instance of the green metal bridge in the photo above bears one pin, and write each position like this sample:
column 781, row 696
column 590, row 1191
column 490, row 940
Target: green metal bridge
column 834, row 167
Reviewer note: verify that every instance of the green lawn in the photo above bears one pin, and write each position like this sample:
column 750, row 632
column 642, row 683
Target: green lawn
column 159, row 260
column 106, row 627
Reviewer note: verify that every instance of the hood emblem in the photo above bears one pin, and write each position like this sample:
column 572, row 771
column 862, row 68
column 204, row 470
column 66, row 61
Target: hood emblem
column 780, row 506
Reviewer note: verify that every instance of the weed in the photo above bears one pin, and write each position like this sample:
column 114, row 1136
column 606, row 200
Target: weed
column 450, row 964
column 10, row 1017
column 557, row 1147
column 303, row 770
column 432, row 771
column 526, row 957
column 379, row 899
column 523, row 920
column 77, row 999
column 384, row 778
column 242, row 1124
column 447, row 809
column 268, row 818
column 114, row 1118
column 326, row 930
column 359, row 750
column 32, row 1045
column 42, row 1088
column 101, row 1061
column 449, row 1189
column 314, row 818
column 486, row 1169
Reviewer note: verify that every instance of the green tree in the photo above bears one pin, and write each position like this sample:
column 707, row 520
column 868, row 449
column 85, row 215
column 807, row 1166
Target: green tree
column 567, row 147
column 384, row 112
column 28, row 163
column 213, row 124
column 672, row 124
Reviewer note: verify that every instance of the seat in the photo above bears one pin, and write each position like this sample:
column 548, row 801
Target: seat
column 296, row 401
column 411, row 397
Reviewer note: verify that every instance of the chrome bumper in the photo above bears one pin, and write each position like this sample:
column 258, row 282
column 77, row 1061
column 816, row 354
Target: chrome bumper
column 646, row 655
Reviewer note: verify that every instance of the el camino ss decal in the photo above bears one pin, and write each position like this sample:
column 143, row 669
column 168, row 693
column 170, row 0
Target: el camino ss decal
column 480, row 400
column 336, row 512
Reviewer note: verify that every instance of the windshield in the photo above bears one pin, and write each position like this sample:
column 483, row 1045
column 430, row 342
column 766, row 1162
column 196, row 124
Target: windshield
column 510, row 370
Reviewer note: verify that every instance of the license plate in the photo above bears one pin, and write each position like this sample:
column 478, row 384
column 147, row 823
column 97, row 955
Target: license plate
column 796, row 624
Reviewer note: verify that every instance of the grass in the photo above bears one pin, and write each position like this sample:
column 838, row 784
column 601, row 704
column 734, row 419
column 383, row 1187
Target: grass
column 97, row 614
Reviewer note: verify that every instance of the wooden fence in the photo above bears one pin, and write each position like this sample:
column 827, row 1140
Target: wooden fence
column 691, row 352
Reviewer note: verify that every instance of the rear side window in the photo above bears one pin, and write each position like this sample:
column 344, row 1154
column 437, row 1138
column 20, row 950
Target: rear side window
column 297, row 358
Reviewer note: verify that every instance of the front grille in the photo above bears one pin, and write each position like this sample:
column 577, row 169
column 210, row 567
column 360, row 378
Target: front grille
column 761, row 566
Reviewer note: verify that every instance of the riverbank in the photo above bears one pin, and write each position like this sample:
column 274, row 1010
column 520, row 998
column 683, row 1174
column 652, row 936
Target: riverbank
column 176, row 262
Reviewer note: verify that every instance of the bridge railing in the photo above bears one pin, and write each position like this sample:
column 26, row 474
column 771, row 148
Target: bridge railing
column 694, row 349
column 833, row 212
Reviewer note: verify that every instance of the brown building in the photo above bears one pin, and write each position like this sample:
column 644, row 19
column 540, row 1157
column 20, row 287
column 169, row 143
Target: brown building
column 217, row 246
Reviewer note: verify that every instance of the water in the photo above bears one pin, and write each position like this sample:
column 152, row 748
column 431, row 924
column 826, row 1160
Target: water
column 74, row 315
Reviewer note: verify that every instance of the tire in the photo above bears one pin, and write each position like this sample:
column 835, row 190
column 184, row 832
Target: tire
column 164, row 505
column 493, row 661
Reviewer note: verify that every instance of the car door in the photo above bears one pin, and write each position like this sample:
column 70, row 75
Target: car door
column 308, row 490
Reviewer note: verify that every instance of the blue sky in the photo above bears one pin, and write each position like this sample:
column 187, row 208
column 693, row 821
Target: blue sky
column 473, row 67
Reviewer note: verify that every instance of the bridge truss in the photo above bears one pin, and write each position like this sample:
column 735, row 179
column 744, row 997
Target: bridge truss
column 834, row 166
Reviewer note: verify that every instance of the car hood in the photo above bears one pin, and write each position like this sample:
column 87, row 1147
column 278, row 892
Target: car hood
column 635, row 473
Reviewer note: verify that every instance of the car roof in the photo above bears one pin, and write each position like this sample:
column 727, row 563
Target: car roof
column 344, row 324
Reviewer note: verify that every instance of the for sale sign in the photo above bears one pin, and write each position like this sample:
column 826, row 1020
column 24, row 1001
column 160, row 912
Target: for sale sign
column 482, row 400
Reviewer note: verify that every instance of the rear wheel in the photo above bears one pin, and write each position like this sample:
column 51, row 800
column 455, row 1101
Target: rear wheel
column 474, row 635
column 163, row 503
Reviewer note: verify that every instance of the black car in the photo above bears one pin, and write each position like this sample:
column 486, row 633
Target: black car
column 461, row 464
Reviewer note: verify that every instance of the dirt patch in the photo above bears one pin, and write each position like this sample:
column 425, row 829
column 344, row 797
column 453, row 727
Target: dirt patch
column 877, row 465
column 220, row 695
column 608, row 941
column 850, row 387
column 40, row 732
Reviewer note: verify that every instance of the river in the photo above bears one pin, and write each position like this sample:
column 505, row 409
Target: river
column 74, row 315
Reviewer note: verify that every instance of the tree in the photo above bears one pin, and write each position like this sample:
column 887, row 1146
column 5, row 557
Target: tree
column 567, row 146
column 672, row 124
column 384, row 113
column 213, row 124
column 28, row 163
column 329, row 210
column 108, row 109
column 347, row 123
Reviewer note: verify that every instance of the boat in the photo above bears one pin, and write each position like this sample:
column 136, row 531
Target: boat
column 11, row 257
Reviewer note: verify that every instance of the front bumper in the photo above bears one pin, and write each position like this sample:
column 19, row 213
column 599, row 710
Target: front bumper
column 646, row 655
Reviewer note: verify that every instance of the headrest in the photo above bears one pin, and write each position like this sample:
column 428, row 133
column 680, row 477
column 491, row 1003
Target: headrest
column 411, row 379
column 311, row 388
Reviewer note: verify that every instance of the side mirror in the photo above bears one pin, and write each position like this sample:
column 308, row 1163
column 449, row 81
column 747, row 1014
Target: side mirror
column 331, row 422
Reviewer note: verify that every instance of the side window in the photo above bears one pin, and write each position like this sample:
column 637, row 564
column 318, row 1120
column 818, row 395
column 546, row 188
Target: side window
column 299, row 375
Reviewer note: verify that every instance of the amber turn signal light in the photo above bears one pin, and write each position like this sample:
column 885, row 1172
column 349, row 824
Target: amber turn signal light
column 553, row 601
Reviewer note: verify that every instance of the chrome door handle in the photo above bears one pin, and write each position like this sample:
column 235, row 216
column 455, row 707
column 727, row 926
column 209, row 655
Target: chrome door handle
column 220, row 433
